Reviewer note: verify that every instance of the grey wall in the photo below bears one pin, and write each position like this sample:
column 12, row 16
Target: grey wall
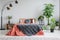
column 27, row 9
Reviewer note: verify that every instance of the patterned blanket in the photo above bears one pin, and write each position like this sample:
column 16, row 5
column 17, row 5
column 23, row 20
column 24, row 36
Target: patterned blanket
column 24, row 30
column 29, row 29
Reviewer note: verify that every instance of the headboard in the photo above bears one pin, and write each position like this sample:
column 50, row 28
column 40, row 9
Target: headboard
column 27, row 21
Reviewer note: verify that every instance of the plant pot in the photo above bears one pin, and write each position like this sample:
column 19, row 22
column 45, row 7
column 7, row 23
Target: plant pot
column 51, row 30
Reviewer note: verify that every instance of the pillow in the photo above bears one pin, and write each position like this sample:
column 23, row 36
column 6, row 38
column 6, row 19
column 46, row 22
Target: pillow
column 33, row 20
column 27, row 21
column 21, row 21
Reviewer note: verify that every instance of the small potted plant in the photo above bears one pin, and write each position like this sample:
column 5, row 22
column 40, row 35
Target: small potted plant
column 53, row 24
column 9, row 18
column 57, row 23
column 40, row 18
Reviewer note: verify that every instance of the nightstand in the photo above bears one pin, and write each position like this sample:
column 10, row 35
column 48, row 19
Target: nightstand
column 9, row 26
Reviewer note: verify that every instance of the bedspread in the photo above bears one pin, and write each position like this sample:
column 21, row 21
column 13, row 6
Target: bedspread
column 17, row 32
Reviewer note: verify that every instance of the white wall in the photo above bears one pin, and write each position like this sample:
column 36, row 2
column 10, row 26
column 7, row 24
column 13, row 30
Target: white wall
column 27, row 9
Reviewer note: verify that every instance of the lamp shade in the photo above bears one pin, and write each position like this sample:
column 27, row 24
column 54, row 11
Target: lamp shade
column 8, row 8
column 16, row 2
column 10, row 5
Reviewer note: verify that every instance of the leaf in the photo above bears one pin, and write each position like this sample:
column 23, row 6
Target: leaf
column 48, row 10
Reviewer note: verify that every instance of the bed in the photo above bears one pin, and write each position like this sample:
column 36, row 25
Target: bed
column 25, row 30
column 26, row 27
column 16, row 34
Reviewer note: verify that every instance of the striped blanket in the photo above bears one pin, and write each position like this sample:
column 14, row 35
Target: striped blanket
column 30, row 29
column 25, row 30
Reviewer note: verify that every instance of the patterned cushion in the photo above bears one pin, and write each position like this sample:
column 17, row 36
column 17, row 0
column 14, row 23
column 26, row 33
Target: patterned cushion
column 27, row 21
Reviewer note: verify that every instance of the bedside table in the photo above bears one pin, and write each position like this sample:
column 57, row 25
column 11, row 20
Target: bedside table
column 9, row 26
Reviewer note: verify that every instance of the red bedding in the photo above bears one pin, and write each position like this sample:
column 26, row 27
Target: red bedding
column 16, row 32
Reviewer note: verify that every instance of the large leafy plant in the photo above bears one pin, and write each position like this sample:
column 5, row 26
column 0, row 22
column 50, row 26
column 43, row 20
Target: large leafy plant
column 49, row 8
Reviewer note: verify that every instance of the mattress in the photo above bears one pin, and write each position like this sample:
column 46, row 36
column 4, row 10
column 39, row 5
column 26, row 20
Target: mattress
column 47, row 36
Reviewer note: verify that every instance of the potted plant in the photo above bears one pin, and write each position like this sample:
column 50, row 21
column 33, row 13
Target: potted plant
column 57, row 23
column 40, row 18
column 47, row 12
column 53, row 24
column 9, row 18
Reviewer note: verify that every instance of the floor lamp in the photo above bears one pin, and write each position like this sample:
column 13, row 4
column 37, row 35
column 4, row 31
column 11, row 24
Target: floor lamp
column 8, row 8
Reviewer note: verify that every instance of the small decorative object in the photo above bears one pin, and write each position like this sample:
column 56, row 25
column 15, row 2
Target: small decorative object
column 10, row 5
column 16, row 2
column 57, row 23
column 49, row 8
column 8, row 8
column 27, row 21
column 53, row 24
column 40, row 19
column 9, row 18
column 33, row 20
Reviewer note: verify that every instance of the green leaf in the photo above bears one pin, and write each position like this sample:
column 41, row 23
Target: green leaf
column 48, row 10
